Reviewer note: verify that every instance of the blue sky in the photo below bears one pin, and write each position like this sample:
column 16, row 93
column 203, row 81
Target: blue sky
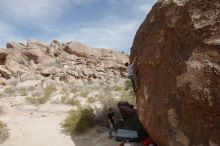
column 97, row 23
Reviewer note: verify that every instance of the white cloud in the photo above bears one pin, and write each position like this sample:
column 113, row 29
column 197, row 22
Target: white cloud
column 33, row 12
column 112, row 31
column 107, row 33
column 8, row 34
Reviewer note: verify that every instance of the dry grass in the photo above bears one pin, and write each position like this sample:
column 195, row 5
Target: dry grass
column 23, row 92
column 4, row 132
column 47, row 92
column 10, row 91
column 70, row 100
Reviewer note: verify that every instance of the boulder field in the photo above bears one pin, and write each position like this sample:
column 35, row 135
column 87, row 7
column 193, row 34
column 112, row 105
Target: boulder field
column 71, row 63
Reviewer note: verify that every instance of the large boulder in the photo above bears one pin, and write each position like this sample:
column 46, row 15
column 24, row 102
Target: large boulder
column 49, row 71
column 64, row 56
column 36, row 44
column 4, row 72
column 33, row 54
column 13, row 45
column 3, row 81
column 110, row 54
column 15, row 63
column 178, row 70
column 73, row 73
column 38, row 57
column 87, row 71
column 81, row 50
column 3, row 55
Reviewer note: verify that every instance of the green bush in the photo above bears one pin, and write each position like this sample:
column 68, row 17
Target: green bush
column 113, row 88
column 128, row 93
column 79, row 121
column 4, row 132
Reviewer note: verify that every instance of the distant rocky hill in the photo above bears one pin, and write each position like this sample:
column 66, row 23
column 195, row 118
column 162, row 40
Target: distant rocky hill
column 70, row 63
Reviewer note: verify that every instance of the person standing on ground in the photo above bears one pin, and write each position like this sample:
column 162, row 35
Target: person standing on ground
column 111, row 121
column 131, row 73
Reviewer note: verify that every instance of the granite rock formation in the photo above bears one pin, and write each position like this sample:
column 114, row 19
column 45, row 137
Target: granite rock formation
column 178, row 69
column 71, row 63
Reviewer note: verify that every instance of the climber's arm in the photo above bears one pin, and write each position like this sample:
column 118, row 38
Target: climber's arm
column 134, row 61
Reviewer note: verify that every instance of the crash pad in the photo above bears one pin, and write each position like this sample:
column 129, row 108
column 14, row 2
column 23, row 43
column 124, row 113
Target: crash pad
column 127, row 135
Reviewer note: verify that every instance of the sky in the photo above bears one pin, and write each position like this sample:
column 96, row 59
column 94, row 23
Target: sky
column 97, row 23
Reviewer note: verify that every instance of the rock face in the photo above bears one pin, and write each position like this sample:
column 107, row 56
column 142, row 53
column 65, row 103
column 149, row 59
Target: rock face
column 3, row 55
column 4, row 72
column 178, row 69
column 58, row 62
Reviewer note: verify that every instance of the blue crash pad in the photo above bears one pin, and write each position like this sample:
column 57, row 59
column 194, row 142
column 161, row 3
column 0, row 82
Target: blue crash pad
column 124, row 134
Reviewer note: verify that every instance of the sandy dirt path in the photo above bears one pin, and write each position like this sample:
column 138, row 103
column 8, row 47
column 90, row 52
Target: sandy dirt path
column 32, row 125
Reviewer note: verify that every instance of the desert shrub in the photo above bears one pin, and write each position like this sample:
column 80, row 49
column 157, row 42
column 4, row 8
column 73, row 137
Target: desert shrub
column 85, row 92
column 10, row 91
column 128, row 93
column 63, row 99
column 74, row 90
column 103, row 97
column 101, row 116
column 64, row 91
column 1, row 110
column 48, row 91
column 36, row 100
column 4, row 132
column 31, row 88
column 23, row 92
column 91, row 99
column 79, row 121
column 35, row 94
column 16, row 74
column 71, row 101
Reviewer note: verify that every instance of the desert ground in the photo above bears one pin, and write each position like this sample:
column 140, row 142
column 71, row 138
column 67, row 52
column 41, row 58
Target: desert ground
column 32, row 125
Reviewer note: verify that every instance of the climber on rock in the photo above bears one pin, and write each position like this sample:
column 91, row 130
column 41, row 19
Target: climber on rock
column 131, row 73
column 111, row 121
